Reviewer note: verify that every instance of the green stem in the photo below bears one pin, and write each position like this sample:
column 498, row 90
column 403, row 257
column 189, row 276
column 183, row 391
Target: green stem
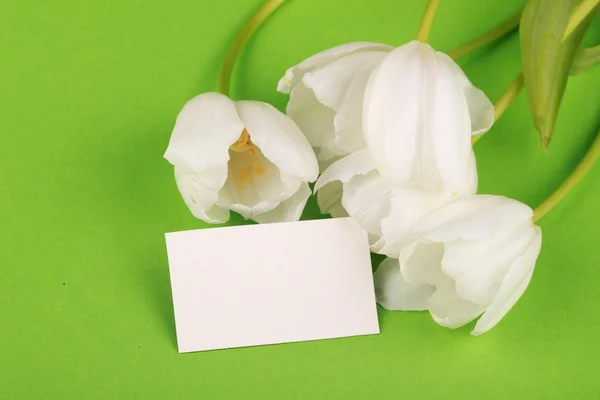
column 427, row 21
column 583, row 167
column 247, row 30
column 582, row 10
column 507, row 98
column 506, row 27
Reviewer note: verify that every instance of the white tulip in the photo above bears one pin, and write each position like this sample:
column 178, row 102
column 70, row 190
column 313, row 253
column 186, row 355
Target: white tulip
column 243, row 156
column 412, row 111
column 474, row 256
column 408, row 104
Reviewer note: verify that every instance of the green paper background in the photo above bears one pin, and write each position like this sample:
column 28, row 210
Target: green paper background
column 89, row 91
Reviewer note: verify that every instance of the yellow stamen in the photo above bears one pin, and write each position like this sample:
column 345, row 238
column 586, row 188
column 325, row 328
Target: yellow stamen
column 243, row 143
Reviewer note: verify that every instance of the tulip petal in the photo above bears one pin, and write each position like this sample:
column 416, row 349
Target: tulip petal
column 390, row 112
column 313, row 118
column 513, row 286
column 330, row 82
column 449, row 310
column 393, row 292
column 329, row 199
column 479, row 267
column 279, row 139
column 481, row 109
column 346, row 168
column 200, row 193
column 420, row 263
column 348, row 119
column 408, row 206
column 366, row 198
column 416, row 120
column 205, row 128
column 295, row 73
column 254, row 184
column 473, row 217
column 289, row 210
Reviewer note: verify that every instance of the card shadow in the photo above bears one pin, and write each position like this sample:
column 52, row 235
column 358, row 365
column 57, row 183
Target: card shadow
column 158, row 292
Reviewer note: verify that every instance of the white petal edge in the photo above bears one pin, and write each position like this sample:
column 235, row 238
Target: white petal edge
column 393, row 292
column 329, row 199
column 313, row 118
column 390, row 112
column 408, row 206
column 348, row 119
column 295, row 73
column 205, row 128
column 416, row 120
column 481, row 109
column 472, row 217
column 252, row 212
column 451, row 311
column 346, row 168
column 516, row 281
column 289, row 210
column 331, row 82
column 200, row 193
column 279, row 139
column 366, row 198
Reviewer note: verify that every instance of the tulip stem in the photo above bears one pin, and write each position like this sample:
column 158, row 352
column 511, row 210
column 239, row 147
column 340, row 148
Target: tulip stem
column 427, row 21
column 582, row 10
column 507, row 98
column 581, row 169
column 506, row 27
column 247, row 30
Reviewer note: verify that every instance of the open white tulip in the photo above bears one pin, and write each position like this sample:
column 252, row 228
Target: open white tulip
column 243, row 156
column 412, row 106
column 474, row 256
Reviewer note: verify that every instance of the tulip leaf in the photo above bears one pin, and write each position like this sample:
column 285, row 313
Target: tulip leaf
column 547, row 59
column 585, row 58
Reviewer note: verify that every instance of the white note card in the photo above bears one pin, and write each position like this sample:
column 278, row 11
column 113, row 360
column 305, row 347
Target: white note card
column 272, row 283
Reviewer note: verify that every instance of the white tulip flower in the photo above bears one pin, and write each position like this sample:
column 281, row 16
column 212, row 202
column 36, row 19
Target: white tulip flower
column 406, row 104
column 473, row 257
column 243, row 156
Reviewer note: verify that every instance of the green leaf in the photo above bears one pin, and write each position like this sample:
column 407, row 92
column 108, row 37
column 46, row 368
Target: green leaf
column 585, row 58
column 547, row 59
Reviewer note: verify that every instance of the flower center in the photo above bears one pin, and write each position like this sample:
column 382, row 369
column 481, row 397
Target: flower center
column 243, row 143
column 248, row 160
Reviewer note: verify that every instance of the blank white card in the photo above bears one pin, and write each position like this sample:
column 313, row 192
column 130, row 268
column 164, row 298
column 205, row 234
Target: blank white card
column 272, row 283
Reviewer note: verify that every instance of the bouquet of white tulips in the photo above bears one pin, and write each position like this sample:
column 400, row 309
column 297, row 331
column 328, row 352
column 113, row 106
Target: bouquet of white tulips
column 386, row 135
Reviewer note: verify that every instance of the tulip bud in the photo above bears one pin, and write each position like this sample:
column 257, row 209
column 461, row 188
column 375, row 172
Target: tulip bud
column 547, row 59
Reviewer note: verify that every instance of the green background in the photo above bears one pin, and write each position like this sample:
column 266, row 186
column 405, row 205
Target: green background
column 89, row 91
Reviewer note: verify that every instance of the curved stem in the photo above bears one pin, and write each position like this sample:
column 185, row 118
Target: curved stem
column 582, row 10
column 247, row 30
column 427, row 21
column 507, row 98
column 506, row 27
column 581, row 169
